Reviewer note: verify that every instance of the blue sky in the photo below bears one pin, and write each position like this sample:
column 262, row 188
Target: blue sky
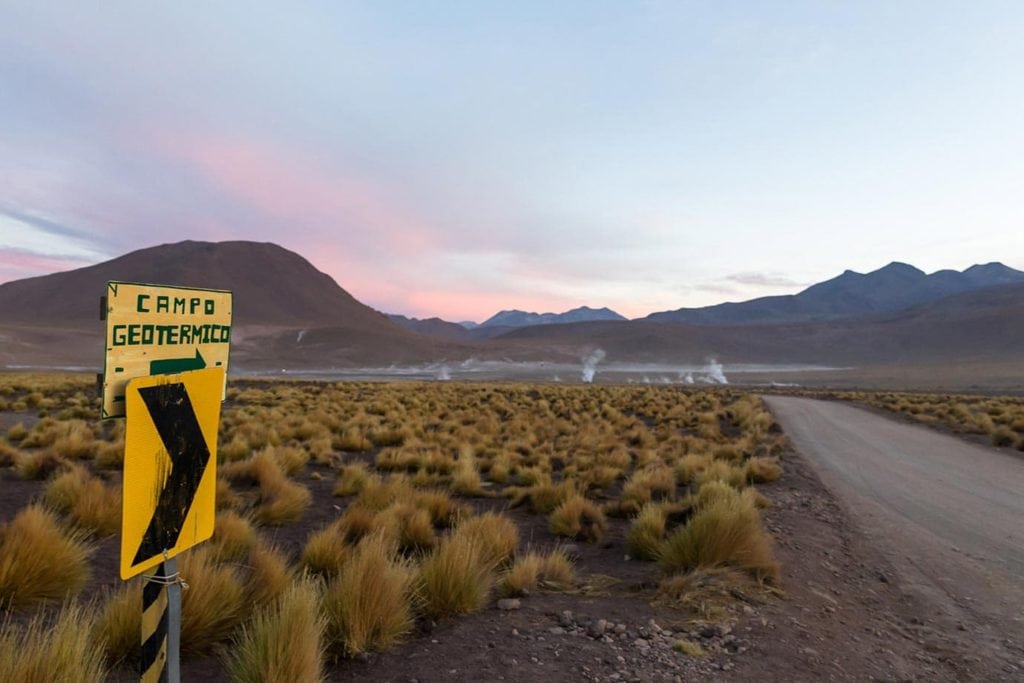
column 456, row 158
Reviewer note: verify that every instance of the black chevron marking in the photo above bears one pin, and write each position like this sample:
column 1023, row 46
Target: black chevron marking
column 171, row 410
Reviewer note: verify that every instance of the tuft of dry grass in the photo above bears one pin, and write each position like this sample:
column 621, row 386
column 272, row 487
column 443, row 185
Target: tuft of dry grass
column 352, row 440
column 89, row 504
column 545, row 496
column 761, row 470
column 556, row 570
column 110, row 456
column 38, row 465
column 410, row 526
column 291, row 460
column 720, row 470
column 284, row 641
column 352, row 479
column 578, row 517
column 17, row 433
column 725, row 530
column 535, row 570
column 214, row 604
column 9, row 455
column 443, row 510
column 1003, row 436
column 269, row 573
column 119, row 623
column 369, row 603
column 466, row 478
column 454, row 579
column 523, row 577
column 378, row 494
column 325, row 551
column 496, row 536
column 45, row 652
column 233, row 537
column 647, row 532
column 280, row 500
column 39, row 560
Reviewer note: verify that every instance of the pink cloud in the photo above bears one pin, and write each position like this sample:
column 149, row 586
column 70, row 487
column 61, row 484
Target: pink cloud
column 16, row 264
column 461, row 305
column 297, row 192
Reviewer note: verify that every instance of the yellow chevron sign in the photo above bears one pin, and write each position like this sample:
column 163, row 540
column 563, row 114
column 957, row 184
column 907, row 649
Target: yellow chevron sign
column 153, row 330
column 170, row 466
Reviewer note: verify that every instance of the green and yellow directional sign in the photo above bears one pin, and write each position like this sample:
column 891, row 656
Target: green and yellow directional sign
column 157, row 330
column 170, row 466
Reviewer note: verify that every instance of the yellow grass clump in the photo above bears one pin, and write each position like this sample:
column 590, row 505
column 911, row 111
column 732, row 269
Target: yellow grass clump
column 725, row 530
column 410, row 526
column 545, row 496
column 269, row 574
column 369, row 603
column 578, row 517
column 284, row 641
column 38, row 465
column 233, row 536
column 761, row 470
column 280, row 500
column 535, row 570
column 214, row 604
column 720, row 470
column 45, row 652
column 89, row 504
column 119, row 623
column 352, row 479
column 39, row 560
column 647, row 532
column 454, row 578
column 325, row 551
column 466, row 478
column 496, row 536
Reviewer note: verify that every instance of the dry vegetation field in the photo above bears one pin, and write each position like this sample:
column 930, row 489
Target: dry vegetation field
column 350, row 514
column 999, row 419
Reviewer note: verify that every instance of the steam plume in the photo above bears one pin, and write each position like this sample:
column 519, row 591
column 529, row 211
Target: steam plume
column 590, row 364
column 714, row 373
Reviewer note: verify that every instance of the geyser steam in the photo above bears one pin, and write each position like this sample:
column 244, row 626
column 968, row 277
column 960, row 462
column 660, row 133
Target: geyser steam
column 590, row 364
column 713, row 373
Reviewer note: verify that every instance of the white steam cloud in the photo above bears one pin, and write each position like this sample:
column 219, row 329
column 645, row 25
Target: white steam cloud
column 713, row 373
column 590, row 364
column 444, row 373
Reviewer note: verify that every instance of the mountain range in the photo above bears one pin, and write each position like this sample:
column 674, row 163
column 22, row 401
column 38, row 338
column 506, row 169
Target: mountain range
column 277, row 294
column 517, row 318
column 288, row 314
column 895, row 287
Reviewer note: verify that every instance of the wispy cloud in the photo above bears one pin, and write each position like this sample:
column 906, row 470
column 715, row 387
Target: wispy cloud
column 32, row 240
column 46, row 225
column 16, row 264
column 772, row 280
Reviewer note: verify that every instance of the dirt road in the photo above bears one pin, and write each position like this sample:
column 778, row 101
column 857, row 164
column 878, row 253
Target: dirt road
column 947, row 514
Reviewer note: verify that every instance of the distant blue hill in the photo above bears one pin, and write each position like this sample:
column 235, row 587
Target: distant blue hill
column 515, row 318
column 895, row 287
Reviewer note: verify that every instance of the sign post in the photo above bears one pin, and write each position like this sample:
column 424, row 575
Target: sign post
column 165, row 371
column 161, row 626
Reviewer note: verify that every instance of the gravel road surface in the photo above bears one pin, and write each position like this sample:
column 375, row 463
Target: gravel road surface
column 948, row 514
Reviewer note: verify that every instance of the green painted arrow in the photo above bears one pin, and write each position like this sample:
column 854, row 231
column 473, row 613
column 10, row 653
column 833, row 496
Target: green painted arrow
column 171, row 366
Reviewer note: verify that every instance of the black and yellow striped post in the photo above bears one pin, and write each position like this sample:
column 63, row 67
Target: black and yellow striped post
column 161, row 625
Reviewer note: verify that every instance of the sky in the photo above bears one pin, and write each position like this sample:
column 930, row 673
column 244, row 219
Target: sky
column 457, row 158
